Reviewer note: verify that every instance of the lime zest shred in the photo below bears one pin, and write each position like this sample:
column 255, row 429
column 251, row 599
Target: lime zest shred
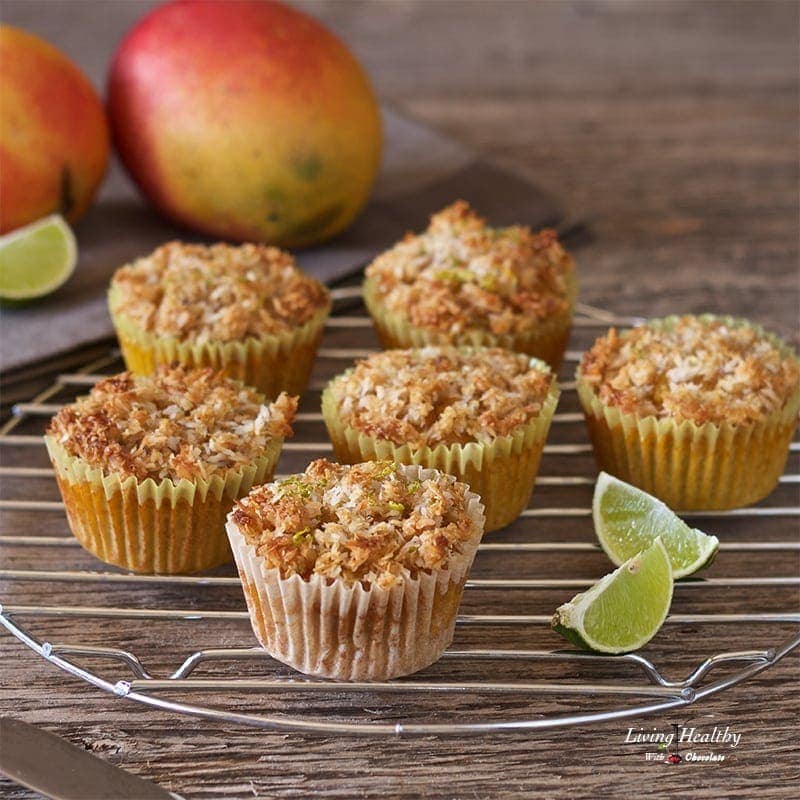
column 488, row 283
column 296, row 486
column 383, row 469
column 395, row 506
column 301, row 536
column 455, row 275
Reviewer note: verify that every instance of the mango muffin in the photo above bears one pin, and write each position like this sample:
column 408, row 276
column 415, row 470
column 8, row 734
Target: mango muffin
column 356, row 572
column 481, row 414
column 246, row 310
column 463, row 282
column 697, row 410
column 148, row 467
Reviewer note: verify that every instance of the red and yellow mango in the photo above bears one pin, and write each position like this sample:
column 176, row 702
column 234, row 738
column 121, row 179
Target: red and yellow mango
column 54, row 137
column 246, row 120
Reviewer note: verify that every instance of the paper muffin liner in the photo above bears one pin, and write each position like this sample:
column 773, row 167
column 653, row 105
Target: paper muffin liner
column 272, row 364
column 502, row 472
column 334, row 629
column 693, row 467
column 154, row 527
column 547, row 341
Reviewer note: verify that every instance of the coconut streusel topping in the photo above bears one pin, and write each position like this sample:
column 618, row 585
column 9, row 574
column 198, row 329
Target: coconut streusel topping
column 174, row 424
column 367, row 522
column 461, row 274
column 699, row 369
column 442, row 395
column 218, row 292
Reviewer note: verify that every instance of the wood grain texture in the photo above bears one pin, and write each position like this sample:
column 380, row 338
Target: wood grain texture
column 672, row 128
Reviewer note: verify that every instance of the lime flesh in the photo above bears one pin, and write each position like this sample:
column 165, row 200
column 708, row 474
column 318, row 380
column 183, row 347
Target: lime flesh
column 623, row 610
column 37, row 259
column 627, row 520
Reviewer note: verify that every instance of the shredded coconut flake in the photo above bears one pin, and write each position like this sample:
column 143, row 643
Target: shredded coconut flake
column 442, row 395
column 218, row 292
column 174, row 424
column 700, row 369
column 461, row 274
column 367, row 522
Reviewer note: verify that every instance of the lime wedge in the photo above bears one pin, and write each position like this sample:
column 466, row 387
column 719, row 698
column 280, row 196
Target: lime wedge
column 627, row 520
column 37, row 259
column 624, row 610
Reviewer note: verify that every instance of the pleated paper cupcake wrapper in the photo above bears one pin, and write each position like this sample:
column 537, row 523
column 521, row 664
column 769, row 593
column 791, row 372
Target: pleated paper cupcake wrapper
column 347, row 632
column 692, row 467
column 272, row 364
column 501, row 472
column 151, row 527
column 547, row 341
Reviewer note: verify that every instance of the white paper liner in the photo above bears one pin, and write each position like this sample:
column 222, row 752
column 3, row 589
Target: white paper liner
column 344, row 631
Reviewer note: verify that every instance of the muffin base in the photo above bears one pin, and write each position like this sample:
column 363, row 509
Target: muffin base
column 271, row 364
column 692, row 467
column 149, row 527
column 501, row 472
column 348, row 632
column 547, row 341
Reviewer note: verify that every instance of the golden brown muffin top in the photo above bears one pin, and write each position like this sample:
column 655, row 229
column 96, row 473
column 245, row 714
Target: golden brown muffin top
column 219, row 292
column 174, row 424
column 461, row 275
column 368, row 522
column 702, row 369
column 442, row 395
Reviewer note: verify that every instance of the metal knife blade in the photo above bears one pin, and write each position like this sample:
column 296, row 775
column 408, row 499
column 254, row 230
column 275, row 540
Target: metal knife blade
column 58, row 769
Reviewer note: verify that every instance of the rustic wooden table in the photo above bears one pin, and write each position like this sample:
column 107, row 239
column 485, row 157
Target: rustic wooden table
column 672, row 129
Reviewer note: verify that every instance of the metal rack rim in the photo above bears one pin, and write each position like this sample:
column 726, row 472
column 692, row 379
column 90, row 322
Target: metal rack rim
column 664, row 694
column 125, row 690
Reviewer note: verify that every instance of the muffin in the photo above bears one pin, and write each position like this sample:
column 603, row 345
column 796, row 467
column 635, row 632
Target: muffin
column 246, row 310
column 462, row 282
column 699, row 411
column 149, row 467
column 481, row 414
column 356, row 572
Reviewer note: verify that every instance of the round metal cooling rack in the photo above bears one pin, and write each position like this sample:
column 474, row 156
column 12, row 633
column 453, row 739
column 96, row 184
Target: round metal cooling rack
column 493, row 682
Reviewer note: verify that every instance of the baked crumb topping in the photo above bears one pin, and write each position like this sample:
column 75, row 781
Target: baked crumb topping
column 219, row 292
column 442, row 395
column 461, row 274
column 367, row 522
column 701, row 369
column 174, row 424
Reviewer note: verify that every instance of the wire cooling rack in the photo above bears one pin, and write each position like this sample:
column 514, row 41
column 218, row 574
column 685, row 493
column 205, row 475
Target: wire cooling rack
column 183, row 643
